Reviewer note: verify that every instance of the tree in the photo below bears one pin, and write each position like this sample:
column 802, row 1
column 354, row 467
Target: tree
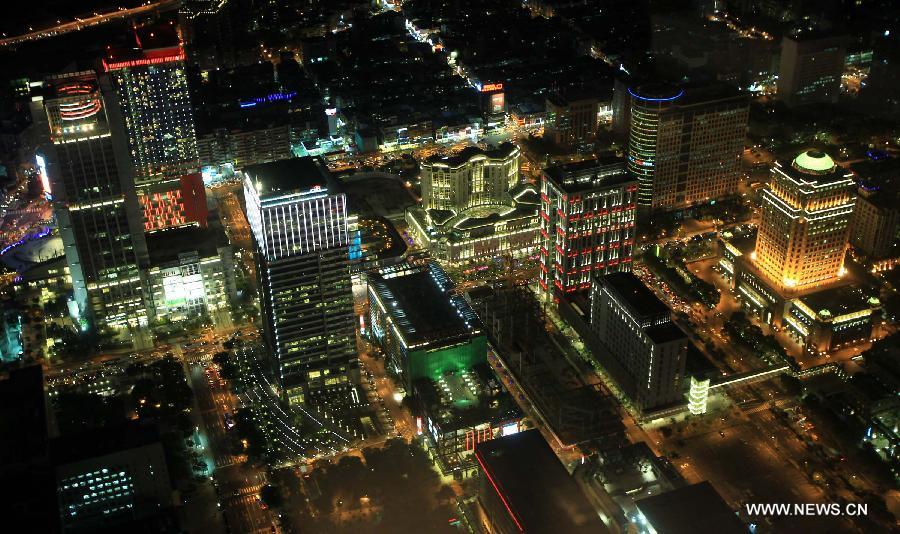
column 227, row 368
column 271, row 495
column 76, row 412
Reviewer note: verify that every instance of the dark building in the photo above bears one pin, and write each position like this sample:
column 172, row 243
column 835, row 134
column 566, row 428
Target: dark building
column 572, row 122
column 27, row 490
column 689, row 510
column 876, row 218
column 299, row 225
column 523, row 487
column 647, row 351
column 811, row 67
column 110, row 476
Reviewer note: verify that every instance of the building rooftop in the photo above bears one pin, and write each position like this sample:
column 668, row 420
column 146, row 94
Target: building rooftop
column 157, row 42
column 581, row 176
column 101, row 442
column 466, row 398
column 656, row 92
column 835, row 302
column 664, row 333
column 287, row 176
column 505, row 150
column 814, row 162
column 165, row 245
column 635, row 294
column 691, row 509
column 538, row 492
column 419, row 301
column 688, row 95
column 743, row 242
column 813, row 166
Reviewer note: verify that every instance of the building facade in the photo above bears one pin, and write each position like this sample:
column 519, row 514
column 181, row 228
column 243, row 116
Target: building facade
column 572, row 123
column 151, row 83
column 473, row 207
column 300, row 231
column 424, row 329
column 647, row 351
column 86, row 162
column 831, row 319
column 587, row 223
column 477, row 234
column 241, row 148
column 191, row 274
column 875, row 221
column 470, row 179
column 684, row 145
column 811, row 68
column 805, row 219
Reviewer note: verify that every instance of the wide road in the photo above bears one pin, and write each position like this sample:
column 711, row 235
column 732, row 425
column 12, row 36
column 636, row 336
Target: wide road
column 87, row 22
column 238, row 484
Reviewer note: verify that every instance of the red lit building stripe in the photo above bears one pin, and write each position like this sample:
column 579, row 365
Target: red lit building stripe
column 487, row 473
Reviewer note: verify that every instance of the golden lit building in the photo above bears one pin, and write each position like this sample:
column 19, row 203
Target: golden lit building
column 803, row 233
column 472, row 178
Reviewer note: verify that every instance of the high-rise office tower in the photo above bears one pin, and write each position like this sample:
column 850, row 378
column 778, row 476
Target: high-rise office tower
column 572, row 122
column 685, row 144
column 803, row 231
column 811, row 67
column 647, row 351
column 299, row 228
column 875, row 221
column 152, row 87
column 86, row 161
column 587, row 223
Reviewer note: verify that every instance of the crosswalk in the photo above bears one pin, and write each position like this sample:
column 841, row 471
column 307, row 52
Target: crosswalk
column 766, row 405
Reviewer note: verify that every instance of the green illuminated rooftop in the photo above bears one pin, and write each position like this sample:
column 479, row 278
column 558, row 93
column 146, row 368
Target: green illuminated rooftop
column 814, row 162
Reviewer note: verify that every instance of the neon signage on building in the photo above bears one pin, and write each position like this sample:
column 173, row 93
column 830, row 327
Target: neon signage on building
column 148, row 59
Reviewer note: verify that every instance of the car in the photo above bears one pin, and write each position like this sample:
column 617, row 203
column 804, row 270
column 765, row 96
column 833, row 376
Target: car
column 721, row 433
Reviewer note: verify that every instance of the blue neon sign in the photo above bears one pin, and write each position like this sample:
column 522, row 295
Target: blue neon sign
column 649, row 99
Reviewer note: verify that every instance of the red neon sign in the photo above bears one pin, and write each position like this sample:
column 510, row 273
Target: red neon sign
column 148, row 59
column 491, row 87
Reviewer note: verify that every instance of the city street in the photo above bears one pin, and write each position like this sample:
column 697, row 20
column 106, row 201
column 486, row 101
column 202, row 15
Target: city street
column 237, row 483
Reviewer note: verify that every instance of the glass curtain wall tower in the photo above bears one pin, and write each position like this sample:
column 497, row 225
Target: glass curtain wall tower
column 152, row 87
column 300, row 230
column 643, row 158
column 685, row 145
column 86, row 161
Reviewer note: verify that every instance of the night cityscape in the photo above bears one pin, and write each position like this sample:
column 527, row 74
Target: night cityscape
column 450, row 266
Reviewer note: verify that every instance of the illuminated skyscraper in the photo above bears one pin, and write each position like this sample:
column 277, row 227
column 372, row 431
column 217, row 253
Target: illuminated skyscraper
column 93, row 199
column 152, row 87
column 806, row 212
column 300, row 231
column 684, row 144
column 587, row 223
